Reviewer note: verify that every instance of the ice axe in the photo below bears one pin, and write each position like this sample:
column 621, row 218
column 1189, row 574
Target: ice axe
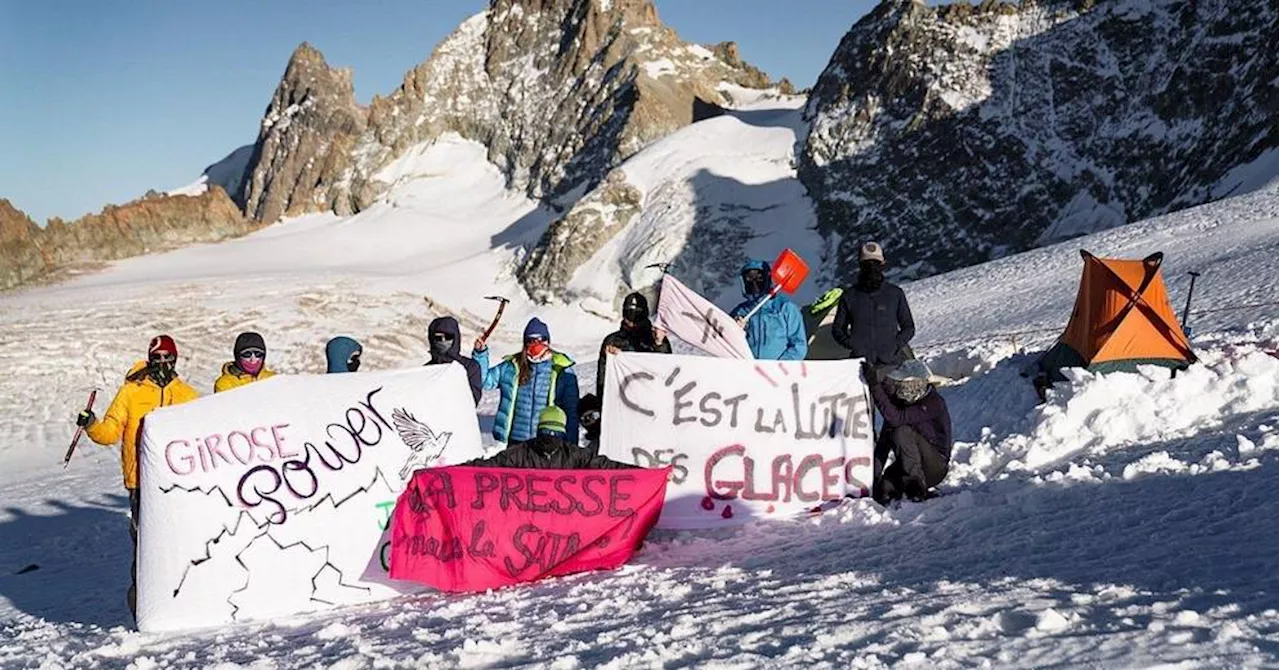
column 502, row 305
column 79, row 431
column 788, row 273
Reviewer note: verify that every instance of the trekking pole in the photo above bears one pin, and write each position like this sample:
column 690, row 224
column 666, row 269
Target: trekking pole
column 79, row 431
column 1186, row 310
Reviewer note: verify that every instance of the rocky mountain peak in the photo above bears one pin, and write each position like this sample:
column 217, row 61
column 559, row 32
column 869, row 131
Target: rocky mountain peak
column 559, row 91
column 14, row 223
column 304, row 141
column 960, row 133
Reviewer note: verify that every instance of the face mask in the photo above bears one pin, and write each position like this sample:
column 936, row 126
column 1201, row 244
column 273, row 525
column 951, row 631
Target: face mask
column 353, row 363
column 161, row 368
column 535, row 349
column 441, row 344
column 870, row 275
column 634, row 318
column 911, row 390
column 755, row 281
column 251, row 361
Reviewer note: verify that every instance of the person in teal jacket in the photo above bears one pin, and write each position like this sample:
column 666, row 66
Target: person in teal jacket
column 529, row 381
column 342, row 354
column 775, row 332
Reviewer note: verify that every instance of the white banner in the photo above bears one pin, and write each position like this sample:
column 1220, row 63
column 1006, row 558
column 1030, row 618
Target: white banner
column 693, row 319
column 275, row 497
column 747, row 440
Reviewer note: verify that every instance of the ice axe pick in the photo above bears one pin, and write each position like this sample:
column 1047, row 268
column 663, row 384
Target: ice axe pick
column 502, row 305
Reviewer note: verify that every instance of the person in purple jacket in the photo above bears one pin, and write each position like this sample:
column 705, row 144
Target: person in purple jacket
column 917, row 431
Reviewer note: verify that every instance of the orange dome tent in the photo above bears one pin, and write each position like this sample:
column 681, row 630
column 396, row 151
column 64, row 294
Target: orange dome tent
column 1122, row 319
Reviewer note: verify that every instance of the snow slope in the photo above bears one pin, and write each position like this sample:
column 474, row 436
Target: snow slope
column 1129, row 521
column 714, row 193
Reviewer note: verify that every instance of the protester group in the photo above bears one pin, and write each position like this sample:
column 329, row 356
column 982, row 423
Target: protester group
column 542, row 418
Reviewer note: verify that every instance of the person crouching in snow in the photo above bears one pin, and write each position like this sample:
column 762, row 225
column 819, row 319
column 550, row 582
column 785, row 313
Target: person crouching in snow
column 549, row 450
column 249, row 364
column 776, row 331
column 917, row 431
column 446, row 347
column 528, row 381
column 148, row 385
column 343, row 354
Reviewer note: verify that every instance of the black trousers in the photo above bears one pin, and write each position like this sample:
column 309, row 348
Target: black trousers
column 135, row 507
column 917, row 465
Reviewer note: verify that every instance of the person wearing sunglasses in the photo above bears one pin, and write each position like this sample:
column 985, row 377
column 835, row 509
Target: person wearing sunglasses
column 446, row 347
column 249, row 363
column 342, row 354
column 149, row 384
column 776, row 331
column 529, row 381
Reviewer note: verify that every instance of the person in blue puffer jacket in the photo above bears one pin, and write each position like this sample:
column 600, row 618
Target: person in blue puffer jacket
column 529, row 381
column 776, row 332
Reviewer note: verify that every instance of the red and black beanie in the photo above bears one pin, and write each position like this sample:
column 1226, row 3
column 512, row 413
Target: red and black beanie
column 162, row 344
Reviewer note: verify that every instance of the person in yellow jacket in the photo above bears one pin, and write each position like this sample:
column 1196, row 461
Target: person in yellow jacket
column 148, row 385
column 250, row 364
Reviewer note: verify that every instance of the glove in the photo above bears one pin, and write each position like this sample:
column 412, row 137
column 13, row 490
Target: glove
column 85, row 418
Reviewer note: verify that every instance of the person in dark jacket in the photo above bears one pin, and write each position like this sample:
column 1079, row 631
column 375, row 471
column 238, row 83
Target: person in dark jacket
column 636, row 334
column 873, row 320
column 549, row 450
column 446, row 347
column 917, row 431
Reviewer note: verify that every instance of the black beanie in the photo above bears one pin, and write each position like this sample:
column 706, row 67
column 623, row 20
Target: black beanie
column 248, row 341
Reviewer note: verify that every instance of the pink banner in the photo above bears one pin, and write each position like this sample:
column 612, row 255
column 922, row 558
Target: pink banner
column 466, row 528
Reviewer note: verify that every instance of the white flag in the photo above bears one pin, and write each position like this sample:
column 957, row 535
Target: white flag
column 693, row 319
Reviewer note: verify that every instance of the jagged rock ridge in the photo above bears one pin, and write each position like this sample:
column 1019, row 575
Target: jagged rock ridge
column 152, row 223
column 558, row 90
column 956, row 134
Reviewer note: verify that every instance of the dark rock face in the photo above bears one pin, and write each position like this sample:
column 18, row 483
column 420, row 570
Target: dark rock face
column 957, row 134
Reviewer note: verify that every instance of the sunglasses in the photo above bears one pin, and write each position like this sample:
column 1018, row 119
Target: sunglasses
column 534, row 339
column 253, row 353
column 442, row 337
column 163, row 358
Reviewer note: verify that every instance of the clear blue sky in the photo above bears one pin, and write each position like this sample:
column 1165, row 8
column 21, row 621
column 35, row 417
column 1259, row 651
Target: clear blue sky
column 104, row 99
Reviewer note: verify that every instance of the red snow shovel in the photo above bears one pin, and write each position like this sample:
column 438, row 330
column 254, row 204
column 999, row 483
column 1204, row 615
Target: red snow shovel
column 788, row 273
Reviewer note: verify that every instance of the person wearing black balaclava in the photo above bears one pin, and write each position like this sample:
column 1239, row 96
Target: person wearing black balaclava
column 637, row 333
column 873, row 320
column 446, row 347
